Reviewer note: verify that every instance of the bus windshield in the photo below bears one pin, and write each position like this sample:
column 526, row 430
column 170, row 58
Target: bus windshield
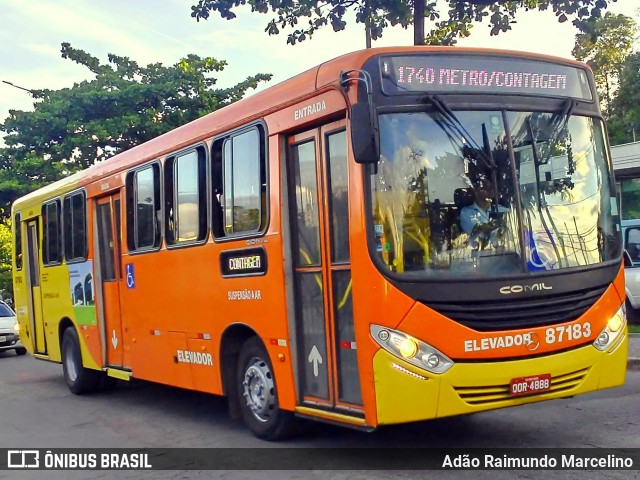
column 492, row 193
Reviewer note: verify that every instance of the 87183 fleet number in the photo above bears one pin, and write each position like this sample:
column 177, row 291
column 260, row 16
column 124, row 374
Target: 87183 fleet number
column 567, row 333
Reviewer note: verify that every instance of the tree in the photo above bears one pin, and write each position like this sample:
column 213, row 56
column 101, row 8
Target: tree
column 624, row 121
column 605, row 43
column 6, row 285
column 124, row 105
column 377, row 15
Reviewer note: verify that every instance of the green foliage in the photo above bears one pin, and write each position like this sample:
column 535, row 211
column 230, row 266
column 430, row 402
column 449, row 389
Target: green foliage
column 624, row 121
column 380, row 14
column 605, row 43
column 6, row 285
column 124, row 105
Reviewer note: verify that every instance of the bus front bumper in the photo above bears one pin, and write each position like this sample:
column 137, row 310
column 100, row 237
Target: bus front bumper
column 405, row 393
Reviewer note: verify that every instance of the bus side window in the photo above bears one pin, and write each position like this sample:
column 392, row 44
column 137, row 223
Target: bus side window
column 74, row 227
column 17, row 226
column 185, row 197
column 143, row 198
column 51, row 241
column 239, row 183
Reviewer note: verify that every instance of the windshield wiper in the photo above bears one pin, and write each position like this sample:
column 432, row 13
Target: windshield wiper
column 456, row 125
column 543, row 202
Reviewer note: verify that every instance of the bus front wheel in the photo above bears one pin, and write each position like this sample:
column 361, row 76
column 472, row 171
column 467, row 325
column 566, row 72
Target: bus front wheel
column 79, row 379
column 257, row 394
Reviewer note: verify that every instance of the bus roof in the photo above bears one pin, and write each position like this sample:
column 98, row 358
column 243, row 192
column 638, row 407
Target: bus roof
column 285, row 93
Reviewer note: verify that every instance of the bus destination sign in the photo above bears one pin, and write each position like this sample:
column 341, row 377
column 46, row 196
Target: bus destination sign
column 482, row 74
column 241, row 263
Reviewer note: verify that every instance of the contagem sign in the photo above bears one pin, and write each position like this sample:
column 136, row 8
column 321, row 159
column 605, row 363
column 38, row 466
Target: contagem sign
column 482, row 74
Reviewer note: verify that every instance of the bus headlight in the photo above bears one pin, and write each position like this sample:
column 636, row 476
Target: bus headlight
column 411, row 350
column 16, row 327
column 612, row 332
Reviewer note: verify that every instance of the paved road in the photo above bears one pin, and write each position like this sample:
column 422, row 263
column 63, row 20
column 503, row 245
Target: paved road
column 39, row 411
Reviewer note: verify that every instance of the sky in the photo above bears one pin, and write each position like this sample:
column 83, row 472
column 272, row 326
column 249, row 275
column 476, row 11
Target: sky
column 150, row 31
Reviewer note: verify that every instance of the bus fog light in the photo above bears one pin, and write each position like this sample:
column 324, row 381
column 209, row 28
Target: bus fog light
column 613, row 331
column 432, row 360
column 408, row 348
column 383, row 335
column 603, row 339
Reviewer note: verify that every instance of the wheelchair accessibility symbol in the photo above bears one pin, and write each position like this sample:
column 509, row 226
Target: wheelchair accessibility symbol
column 131, row 277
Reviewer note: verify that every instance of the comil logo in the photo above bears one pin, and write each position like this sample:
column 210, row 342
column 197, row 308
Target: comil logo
column 535, row 287
column 23, row 459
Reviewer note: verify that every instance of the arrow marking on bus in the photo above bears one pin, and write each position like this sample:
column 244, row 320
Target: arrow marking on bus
column 316, row 359
column 114, row 339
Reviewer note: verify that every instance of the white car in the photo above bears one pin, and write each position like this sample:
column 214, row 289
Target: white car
column 9, row 332
column 632, row 288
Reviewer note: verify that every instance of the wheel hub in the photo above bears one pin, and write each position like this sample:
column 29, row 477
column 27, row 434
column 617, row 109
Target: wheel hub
column 259, row 389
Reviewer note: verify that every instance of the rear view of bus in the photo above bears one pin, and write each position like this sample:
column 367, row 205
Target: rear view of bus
column 490, row 203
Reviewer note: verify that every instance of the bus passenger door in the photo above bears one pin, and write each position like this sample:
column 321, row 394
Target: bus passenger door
column 108, row 274
column 326, row 355
column 35, row 293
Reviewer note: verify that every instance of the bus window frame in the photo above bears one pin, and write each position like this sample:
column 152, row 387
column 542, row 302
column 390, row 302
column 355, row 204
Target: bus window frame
column 17, row 241
column 170, row 163
column 45, row 236
column 218, row 143
column 130, row 211
column 73, row 260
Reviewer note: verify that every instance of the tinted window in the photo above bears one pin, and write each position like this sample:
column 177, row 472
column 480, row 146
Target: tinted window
column 5, row 311
column 185, row 197
column 51, row 244
column 17, row 228
column 75, row 227
column 240, row 183
column 143, row 197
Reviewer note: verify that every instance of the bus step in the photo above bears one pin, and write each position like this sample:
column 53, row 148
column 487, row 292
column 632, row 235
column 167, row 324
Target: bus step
column 119, row 374
column 333, row 418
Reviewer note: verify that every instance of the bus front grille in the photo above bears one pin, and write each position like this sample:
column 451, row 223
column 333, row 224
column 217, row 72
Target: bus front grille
column 512, row 314
column 487, row 394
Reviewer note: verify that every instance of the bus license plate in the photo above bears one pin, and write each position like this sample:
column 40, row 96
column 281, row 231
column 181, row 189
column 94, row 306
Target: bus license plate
column 531, row 385
column 3, row 339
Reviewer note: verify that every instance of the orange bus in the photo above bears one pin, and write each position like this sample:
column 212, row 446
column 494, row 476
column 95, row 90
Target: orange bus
column 398, row 234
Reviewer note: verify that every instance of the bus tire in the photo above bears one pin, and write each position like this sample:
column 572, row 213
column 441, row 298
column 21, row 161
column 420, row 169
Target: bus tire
column 257, row 394
column 21, row 351
column 80, row 380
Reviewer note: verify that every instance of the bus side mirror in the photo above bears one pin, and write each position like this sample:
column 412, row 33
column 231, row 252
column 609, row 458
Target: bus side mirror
column 364, row 134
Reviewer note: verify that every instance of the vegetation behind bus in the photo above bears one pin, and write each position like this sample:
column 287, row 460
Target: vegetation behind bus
column 456, row 23
column 6, row 281
column 126, row 104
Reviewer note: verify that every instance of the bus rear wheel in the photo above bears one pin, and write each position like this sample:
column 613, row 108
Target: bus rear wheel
column 257, row 394
column 79, row 379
